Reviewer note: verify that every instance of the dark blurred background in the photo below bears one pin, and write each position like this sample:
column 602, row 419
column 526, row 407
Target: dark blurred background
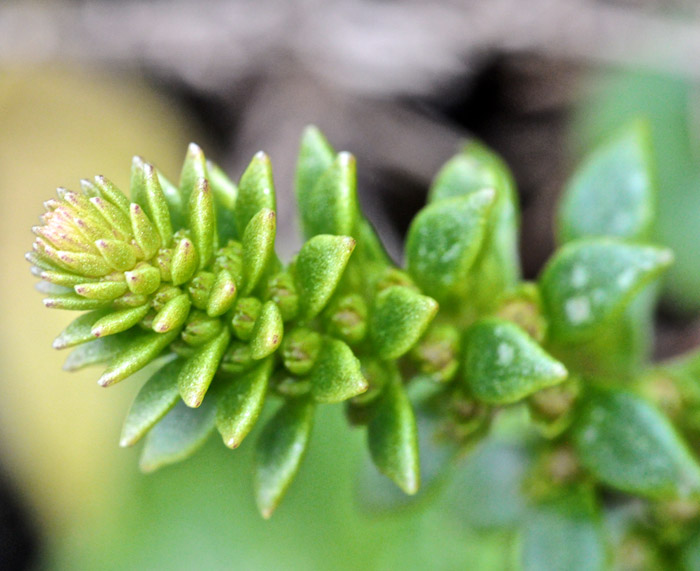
column 86, row 84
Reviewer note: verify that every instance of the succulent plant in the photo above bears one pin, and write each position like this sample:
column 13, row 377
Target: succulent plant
column 440, row 353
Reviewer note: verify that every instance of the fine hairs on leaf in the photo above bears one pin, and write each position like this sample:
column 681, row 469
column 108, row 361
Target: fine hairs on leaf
column 445, row 361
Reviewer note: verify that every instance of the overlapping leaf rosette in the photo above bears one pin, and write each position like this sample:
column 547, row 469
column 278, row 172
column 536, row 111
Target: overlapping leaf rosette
column 187, row 276
column 438, row 356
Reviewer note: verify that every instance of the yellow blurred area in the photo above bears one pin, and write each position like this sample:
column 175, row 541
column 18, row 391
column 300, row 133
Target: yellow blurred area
column 59, row 431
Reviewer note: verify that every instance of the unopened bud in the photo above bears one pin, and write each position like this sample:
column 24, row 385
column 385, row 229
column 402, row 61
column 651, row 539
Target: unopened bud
column 300, row 349
column 347, row 318
column 282, row 291
column 200, row 288
column 200, row 328
column 237, row 358
column 244, row 317
column 436, row 354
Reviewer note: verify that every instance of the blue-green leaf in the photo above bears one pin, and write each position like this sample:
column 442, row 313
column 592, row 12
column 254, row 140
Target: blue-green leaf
column 444, row 240
column 178, row 435
column 563, row 534
column 256, row 190
column 503, row 364
column 590, row 282
column 156, row 397
column 630, row 445
column 613, row 193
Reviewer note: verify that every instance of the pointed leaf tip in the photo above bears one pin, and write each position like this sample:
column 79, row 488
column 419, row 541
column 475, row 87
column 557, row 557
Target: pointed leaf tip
column 319, row 267
column 279, row 452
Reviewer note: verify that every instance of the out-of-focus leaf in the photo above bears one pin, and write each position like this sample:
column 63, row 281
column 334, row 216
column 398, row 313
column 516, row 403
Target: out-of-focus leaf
column 330, row 206
column 486, row 489
column 279, row 452
column 630, row 445
column 315, row 157
column 256, row 190
column 444, row 240
column 502, row 364
column 178, row 435
column 225, row 193
column 156, row 397
column 613, row 193
column 564, row 533
column 590, row 282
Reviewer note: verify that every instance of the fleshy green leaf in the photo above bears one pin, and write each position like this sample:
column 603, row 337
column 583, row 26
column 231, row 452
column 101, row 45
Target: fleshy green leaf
column 184, row 261
column 437, row 453
column 336, row 375
column 222, row 295
column 118, row 321
column 178, row 435
column 615, row 189
column 330, row 206
column 258, row 247
column 80, row 329
column 144, row 279
column 202, row 221
column 564, row 533
column 172, row 315
column 137, row 353
column 279, row 452
column 106, row 291
column 256, row 190
column 145, row 233
column 157, row 205
column 199, row 370
column 393, row 437
column 241, row 403
column 99, row 351
column 399, row 318
column 474, row 169
column 119, row 255
column 444, row 240
column 225, row 193
column 73, row 302
column 156, row 397
column 315, row 157
column 267, row 331
column 503, row 364
column 110, row 192
column 174, row 200
column 319, row 267
column 630, row 445
column 193, row 169
column 590, row 282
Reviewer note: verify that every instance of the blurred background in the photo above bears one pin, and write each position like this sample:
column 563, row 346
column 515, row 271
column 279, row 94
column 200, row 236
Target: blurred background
column 84, row 85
